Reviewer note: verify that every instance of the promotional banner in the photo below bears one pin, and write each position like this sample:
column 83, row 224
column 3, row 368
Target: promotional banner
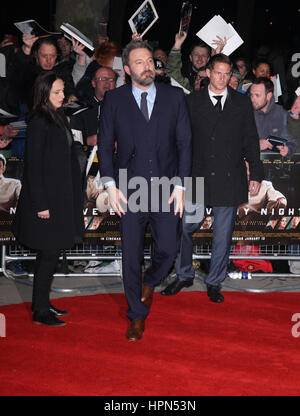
column 272, row 216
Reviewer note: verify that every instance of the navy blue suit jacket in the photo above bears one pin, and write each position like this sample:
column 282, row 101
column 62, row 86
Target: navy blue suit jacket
column 160, row 147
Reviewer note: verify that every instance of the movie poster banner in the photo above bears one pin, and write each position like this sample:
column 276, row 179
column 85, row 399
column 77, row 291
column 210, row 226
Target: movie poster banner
column 271, row 217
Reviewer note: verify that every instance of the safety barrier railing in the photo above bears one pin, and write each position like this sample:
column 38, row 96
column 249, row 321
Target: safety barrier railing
column 109, row 253
column 79, row 252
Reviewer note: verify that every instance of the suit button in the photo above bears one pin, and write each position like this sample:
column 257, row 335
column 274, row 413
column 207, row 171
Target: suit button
column 228, row 173
column 212, row 156
column 212, row 173
column 212, row 138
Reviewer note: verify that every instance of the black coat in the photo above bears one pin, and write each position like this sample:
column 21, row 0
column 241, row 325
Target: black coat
column 51, row 180
column 87, row 121
column 84, row 89
column 221, row 141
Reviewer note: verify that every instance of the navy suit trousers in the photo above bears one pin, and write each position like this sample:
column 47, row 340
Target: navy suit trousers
column 164, row 229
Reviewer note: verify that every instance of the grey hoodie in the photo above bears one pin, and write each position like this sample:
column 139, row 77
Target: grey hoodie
column 274, row 123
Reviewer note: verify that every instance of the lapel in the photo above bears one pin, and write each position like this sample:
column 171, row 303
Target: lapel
column 206, row 109
column 229, row 106
column 205, row 104
column 157, row 105
column 156, row 113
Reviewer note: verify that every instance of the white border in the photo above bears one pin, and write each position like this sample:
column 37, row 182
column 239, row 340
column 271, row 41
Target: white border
column 130, row 21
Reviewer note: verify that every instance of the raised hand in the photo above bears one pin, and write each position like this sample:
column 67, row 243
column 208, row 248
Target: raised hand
column 179, row 39
column 136, row 36
column 28, row 41
column 78, row 47
column 219, row 45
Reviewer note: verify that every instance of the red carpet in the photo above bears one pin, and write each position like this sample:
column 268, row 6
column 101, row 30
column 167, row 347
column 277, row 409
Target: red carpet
column 191, row 347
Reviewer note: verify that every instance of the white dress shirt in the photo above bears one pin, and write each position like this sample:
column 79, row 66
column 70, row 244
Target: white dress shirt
column 214, row 101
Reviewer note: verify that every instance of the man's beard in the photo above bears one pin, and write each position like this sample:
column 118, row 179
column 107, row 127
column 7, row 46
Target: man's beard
column 144, row 82
column 261, row 106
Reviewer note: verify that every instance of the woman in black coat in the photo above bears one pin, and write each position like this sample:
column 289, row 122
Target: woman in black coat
column 49, row 214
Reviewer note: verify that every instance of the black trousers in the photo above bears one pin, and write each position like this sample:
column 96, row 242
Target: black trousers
column 45, row 265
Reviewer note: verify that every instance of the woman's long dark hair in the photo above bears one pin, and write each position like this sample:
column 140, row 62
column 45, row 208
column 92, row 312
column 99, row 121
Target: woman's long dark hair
column 41, row 102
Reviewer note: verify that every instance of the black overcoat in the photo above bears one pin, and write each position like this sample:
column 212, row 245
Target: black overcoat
column 51, row 180
column 221, row 141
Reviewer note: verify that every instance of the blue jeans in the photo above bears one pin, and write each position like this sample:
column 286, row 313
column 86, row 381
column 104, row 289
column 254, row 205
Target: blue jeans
column 223, row 225
column 192, row 216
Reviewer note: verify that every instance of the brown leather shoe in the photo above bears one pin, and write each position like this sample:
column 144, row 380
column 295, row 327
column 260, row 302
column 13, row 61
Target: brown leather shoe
column 147, row 295
column 135, row 330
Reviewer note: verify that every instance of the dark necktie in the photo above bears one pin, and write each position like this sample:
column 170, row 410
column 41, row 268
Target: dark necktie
column 218, row 106
column 144, row 106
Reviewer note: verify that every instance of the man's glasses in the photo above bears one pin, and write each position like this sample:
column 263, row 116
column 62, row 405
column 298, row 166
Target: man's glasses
column 104, row 79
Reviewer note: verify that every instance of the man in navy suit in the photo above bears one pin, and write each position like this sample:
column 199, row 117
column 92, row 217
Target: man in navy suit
column 150, row 124
column 224, row 134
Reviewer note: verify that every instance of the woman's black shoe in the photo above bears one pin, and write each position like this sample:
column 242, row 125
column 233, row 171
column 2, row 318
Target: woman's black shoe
column 47, row 318
column 58, row 312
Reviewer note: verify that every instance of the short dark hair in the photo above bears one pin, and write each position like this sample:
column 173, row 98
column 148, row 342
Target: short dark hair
column 219, row 58
column 41, row 103
column 134, row 44
column 269, row 86
column 201, row 45
column 260, row 61
column 241, row 58
column 41, row 41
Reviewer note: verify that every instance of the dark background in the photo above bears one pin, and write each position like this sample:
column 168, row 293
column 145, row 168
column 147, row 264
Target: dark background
column 258, row 22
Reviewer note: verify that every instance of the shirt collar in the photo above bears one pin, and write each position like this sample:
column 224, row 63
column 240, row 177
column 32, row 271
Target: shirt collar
column 223, row 94
column 214, row 100
column 151, row 92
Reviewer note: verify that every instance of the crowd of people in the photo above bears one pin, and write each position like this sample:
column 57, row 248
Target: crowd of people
column 22, row 61
column 226, row 110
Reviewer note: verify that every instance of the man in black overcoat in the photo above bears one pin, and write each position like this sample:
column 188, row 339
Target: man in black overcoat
column 224, row 134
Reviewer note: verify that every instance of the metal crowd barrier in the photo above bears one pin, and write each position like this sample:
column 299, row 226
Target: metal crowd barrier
column 79, row 252
column 106, row 253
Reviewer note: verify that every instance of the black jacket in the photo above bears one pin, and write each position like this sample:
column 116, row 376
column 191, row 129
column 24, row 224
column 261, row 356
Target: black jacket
column 84, row 89
column 51, row 180
column 221, row 141
column 87, row 121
